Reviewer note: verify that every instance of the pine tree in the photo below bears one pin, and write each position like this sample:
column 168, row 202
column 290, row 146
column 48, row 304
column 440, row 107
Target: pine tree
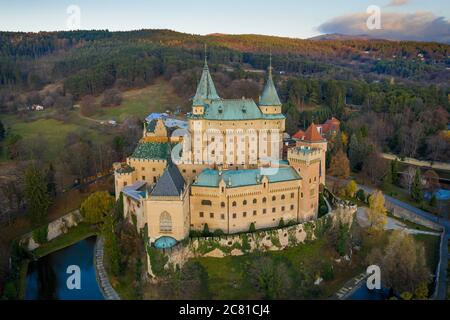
column 111, row 245
column 2, row 131
column 36, row 195
column 51, row 183
column 394, row 171
column 416, row 188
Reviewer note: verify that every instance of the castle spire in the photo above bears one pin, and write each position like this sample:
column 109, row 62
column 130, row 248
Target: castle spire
column 269, row 96
column 206, row 89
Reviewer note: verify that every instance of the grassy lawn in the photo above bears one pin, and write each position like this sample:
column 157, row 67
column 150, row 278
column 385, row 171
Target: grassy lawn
column 74, row 235
column 227, row 278
column 158, row 97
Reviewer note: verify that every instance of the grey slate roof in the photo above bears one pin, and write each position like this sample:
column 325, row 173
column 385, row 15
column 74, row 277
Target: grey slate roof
column 269, row 96
column 171, row 183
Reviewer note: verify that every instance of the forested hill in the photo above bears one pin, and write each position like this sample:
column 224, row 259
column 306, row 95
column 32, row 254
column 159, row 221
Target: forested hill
column 67, row 53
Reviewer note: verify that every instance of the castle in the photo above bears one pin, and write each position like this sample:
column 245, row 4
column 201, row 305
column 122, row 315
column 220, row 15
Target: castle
column 224, row 172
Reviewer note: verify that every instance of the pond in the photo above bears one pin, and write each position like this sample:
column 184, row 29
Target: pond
column 47, row 277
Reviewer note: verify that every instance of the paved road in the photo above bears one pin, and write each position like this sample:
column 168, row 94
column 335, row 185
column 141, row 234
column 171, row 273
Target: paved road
column 108, row 291
column 445, row 223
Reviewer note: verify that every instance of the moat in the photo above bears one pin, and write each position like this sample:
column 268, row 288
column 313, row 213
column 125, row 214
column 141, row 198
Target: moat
column 47, row 277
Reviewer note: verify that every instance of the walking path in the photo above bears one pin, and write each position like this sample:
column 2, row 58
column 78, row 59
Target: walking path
column 419, row 163
column 102, row 277
column 349, row 287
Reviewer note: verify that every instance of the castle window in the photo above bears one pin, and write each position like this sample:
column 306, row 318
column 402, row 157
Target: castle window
column 222, row 216
column 244, row 202
column 254, row 212
column 274, row 210
column 244, row 214
column 264, row 200
column 124, row 183
column 255, row 201
column 201, row 214
column 184, row 170
column 264, row 211
column 206, row 203
column 301, row 194
column 274, row 198
column 282, row 208
column 283, row 197
column 154, row 179
column 292, row 195
column 153, row 169
column 315, row 178
column 234, row 215
column 223, row 189
column 143, row 169
column 234, row 203
column 211, row 215
column 143, row 178
column 222, row 204
column 292, row 207
column 194, row 171
column 165, row 222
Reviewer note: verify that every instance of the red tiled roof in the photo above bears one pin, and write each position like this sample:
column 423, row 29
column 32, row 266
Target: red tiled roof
column 312, row 134
column 299, row 135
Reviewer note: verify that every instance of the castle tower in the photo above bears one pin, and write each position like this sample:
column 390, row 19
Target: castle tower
column 307, row 161
column 269, row 102
column 313, row 139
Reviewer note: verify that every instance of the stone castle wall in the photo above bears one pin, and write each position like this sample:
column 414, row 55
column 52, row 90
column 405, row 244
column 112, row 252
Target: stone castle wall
column 263, row 241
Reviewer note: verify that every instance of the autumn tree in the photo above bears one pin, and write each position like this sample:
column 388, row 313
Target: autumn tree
column 36, row 195
column 351, row 188
column 431, row 180
column 377, row 213
column 403, row 265
column 340, row 165
column 96, row 207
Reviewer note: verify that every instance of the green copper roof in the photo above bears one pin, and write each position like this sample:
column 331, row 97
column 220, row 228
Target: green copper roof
column 240, row 178
column 235, row 109
column 269, row 96
column 152, row 151
column 205, row 89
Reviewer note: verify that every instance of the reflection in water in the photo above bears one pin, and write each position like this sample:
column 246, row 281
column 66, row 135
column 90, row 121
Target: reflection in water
column 47, row 277
column 363, row 293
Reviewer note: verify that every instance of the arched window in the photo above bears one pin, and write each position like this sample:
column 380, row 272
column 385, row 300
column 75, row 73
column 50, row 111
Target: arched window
column 244, row 202
column 264, row 200
column 206, row 203
column 234, row 203
column 165, row 222
column 222, row 204
column 283, row 197
column 274, row 198
column 255, row 201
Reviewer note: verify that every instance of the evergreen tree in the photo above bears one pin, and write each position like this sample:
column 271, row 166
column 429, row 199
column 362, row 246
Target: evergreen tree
column 2, row 131
column 387, row 180
column 354, row 153
column 111, row 245
column 51, row 183
column 118, row 209
column 36, row 195
column 416, row 188
column 394, row 171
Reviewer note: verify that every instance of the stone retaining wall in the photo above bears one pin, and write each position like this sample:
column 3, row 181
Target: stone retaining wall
column 403, row 213
column 55, row 229
column 263, row 241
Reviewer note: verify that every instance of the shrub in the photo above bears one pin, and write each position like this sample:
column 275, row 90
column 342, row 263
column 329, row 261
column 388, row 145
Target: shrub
column 10, row 291
column 96, row 207
column 218, row 232
column 40, row 234
column 206, row 232
column 323, row 210
column 327, row 272
column 281, row 224
column 252, row 228
column 361, row 195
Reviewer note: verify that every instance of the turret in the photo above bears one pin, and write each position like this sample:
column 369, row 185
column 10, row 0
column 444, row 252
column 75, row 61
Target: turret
column 269, row 102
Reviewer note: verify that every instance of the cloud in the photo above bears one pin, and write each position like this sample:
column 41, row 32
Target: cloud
column 418, row 26
column 396, row 3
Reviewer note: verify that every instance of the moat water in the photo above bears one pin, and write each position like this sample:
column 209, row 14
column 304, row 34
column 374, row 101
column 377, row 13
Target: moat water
column 47, row 277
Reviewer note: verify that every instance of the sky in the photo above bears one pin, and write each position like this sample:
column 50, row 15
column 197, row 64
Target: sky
column 400, row 19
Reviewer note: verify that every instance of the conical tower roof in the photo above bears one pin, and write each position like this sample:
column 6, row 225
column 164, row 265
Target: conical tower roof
column 205, row 89
column 269, row 96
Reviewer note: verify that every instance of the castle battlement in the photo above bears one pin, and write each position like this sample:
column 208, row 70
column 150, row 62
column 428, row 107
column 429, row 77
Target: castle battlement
column 306, row 154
